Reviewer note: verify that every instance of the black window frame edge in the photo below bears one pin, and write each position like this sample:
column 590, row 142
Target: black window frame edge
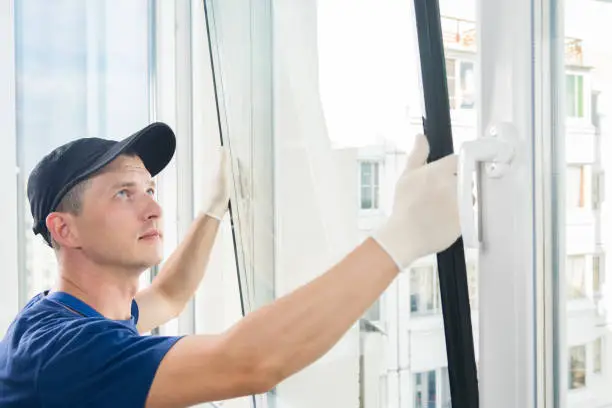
column 452, row 272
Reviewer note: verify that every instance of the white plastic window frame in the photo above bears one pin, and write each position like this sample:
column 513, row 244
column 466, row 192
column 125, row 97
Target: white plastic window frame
column 183, row 96
column 9, row 278
column 516, row 97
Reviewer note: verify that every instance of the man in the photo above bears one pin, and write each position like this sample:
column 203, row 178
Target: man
column 81, row 345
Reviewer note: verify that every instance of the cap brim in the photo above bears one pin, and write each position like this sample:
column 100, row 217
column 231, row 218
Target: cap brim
column 154, row 144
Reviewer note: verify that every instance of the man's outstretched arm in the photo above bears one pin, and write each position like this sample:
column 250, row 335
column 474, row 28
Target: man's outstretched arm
column 183, row 271
column 282, row 338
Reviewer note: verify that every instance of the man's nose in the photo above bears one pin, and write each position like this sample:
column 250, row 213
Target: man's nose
column 152, row 209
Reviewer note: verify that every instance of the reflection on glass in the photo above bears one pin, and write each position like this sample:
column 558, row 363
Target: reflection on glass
column 587, row 90
column 82, row 71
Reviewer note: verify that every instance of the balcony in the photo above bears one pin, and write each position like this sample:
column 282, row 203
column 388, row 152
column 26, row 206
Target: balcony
column 573, row 52
column 458, row 33
column 461, row 34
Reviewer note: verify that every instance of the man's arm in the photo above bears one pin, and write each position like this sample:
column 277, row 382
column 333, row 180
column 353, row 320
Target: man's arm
column 282, row 338
column 182, row 273
column 180, row 277
column 272, row 343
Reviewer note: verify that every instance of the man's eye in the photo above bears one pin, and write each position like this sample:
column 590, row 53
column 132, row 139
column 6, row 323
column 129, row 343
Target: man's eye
column 151, row 191
column 123, row 193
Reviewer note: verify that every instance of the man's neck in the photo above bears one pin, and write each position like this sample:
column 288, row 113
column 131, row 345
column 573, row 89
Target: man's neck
column 110, row 293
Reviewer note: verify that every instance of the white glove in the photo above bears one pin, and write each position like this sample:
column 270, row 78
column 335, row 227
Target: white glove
column 425, row 217
column 216, row 204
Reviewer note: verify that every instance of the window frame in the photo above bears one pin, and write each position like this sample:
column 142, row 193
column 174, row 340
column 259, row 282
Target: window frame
column 10, row 278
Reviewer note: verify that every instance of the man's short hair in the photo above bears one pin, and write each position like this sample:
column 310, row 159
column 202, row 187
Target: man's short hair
column 72, row 203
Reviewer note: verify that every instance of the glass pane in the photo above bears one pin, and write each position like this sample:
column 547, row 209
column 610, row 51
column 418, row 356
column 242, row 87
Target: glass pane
column 422, row 289
column 450, row 78
column 571, row 96
column 366, row 174
column 77, row 76
column 468, row 85
column 576, row 271
column 587, row 62
column 577, row 367
column 597, row 355
column 336, row 117
column 597, row 276
column 574, row 188
column 580, row 96
column 366, row 198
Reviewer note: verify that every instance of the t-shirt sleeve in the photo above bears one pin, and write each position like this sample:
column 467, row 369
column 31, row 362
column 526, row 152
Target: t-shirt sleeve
column 100, row 364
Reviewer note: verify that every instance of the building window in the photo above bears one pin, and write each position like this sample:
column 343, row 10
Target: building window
column 597, row 355
column 424, row 290
column 461, row 81
column 425, row 393
column 575, row 187
column 597, row 276
column 576, row 271
column 577, row 367
column 575, row 96
column 472, row 280
column 369, row 185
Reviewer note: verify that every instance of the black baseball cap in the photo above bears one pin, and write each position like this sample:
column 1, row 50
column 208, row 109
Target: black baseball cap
column 73, row 162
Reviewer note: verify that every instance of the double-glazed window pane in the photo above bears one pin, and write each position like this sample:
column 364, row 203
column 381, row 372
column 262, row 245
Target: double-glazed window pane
column 82, row 70
column 334, row 137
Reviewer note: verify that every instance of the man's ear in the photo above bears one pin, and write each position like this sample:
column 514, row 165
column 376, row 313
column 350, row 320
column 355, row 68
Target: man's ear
column 63, row 230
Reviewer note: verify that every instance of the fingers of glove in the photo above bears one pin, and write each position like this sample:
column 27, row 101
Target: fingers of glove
column 418, row 155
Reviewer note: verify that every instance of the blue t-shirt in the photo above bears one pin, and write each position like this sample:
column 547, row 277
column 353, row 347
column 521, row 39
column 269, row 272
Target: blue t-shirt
column 60, row 352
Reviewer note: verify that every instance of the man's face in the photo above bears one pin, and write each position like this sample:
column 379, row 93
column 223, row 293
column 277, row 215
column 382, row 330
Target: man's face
column 121, row 223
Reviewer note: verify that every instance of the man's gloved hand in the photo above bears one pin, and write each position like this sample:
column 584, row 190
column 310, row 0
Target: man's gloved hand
column 425, row 217
column 216, row 204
